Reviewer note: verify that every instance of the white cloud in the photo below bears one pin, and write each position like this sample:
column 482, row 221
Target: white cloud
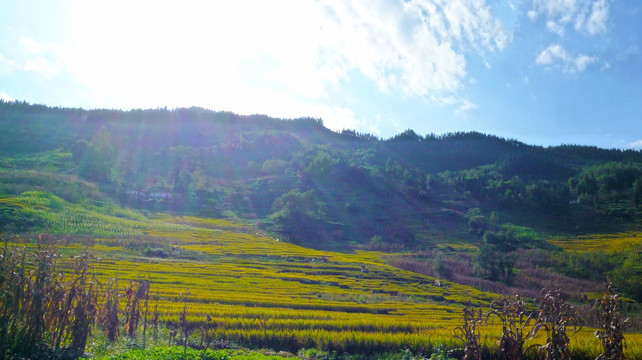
column 466, row 105
column 417, row 46
column 39, row 58
column 585, row 16
column 555, row 27
column 582, row 61
column 597, row 20
column 551, row 53
column 556, row 53
column 5, row 97
column 338, row 118
column 34, row 46
column 636, row 144
column 532, row 15
column 42, row 66
column 6, row 65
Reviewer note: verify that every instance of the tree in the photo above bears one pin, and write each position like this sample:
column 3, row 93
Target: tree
column 637, row 191
column 493, row 261
column 628, row 278
column 321, row 164
column 97, row 161
column 299, row 216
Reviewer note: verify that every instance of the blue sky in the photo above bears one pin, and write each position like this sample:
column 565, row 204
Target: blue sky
column 545, row 72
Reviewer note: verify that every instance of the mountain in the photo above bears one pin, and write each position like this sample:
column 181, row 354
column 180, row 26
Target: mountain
column 324, row 188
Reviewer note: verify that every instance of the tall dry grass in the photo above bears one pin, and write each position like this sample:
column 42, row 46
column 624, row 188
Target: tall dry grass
column 47, row 303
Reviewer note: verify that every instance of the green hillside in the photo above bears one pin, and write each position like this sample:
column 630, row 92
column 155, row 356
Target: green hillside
column 304, row 181
column 290, row 236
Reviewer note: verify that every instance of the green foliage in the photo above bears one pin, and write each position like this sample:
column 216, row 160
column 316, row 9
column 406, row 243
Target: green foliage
column 300, row 217
column 493, row 262
column 321, row 164
column 274, row 166
column 172, row 353
column 95, row 161
column 592, row 266
column 477, row 222
column 37, row 211
column 628, row 277
column 195, row 161
column 315, row 354
column 441, row 353
column 637, row 191
column 65, row 186
column 607, row 184
column 440, row 266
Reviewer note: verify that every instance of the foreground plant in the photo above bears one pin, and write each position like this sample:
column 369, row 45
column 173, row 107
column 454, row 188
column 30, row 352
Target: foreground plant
column 608, row 308
column 42, row 311
column 517, row 326
column 554, row 317
column 108, row 316
column 135, row 295
column 468, row 332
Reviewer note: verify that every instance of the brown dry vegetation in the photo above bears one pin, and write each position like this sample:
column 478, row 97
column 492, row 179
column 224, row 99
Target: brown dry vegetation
column 528, row 280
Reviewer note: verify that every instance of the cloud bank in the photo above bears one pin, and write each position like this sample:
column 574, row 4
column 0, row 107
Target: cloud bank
column 418, row 46
column 584, row 16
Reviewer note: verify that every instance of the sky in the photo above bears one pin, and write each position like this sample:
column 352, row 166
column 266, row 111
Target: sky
column 545, row 72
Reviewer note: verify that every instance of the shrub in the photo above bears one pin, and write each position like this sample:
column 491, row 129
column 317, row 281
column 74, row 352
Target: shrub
column 612, row 323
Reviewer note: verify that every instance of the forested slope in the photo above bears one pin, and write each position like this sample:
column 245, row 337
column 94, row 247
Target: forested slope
column 305, row 182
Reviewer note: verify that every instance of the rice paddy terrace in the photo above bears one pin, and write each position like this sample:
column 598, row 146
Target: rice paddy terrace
column 608, row 243
column 260, row 291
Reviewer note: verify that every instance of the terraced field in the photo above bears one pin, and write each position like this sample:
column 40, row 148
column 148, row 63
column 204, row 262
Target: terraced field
column 609, row 243
column 262, row 291
column 253, row 289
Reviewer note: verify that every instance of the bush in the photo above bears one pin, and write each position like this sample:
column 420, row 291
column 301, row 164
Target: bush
column 154, row 252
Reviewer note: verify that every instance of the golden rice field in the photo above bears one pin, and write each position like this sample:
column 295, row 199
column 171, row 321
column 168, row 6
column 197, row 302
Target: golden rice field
column 260, row 291
column 609, row 243
column 268, row 293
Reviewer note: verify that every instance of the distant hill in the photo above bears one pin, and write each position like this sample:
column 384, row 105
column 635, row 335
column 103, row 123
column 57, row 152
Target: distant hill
column 317, row 187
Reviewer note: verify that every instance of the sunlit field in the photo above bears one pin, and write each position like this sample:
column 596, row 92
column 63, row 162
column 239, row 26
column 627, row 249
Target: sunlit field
column 608, row 243
column 250, row 288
